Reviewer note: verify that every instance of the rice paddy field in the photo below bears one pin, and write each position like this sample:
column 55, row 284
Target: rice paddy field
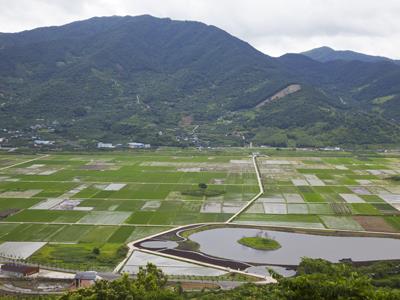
column 78, row 202
column 348, row 192
column 73, row 203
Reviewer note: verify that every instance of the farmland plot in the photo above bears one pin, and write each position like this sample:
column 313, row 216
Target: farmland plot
column 275, row 208
column 302, row 189
column 297, row 209
column 20, row 194
column 20, row 249
column 390, row 198
column 293, row 198
column 352, row 198
column 105, row 217
column 48, row 204
column 211, row 207
column 343, row 223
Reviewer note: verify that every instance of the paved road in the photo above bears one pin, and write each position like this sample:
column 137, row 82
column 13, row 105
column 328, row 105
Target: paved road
column 252, row 200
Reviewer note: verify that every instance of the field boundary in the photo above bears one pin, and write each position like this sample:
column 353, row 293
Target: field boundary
column 24, row 162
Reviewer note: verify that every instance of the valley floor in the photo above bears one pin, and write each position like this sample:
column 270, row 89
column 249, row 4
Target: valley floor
column 78, row 210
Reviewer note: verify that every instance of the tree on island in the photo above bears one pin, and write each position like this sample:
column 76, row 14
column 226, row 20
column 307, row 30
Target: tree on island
column 203, row 187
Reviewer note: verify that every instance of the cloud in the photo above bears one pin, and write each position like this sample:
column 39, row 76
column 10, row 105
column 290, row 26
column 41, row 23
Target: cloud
column 273, row 26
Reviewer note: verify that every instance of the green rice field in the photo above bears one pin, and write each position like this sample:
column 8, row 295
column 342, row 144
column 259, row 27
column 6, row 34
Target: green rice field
column 77, row 202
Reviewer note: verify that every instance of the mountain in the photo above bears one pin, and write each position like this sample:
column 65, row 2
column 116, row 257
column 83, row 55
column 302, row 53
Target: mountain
column 324, row 54
column 165, row 82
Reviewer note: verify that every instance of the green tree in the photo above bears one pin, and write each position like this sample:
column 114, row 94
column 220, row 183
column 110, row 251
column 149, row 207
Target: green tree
column 96, row 251
column 203, row 187
column 149, row 284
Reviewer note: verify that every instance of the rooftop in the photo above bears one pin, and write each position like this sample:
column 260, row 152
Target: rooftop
column 88, row 275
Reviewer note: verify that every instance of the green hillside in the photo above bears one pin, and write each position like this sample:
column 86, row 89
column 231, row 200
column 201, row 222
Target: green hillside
column 165, row 82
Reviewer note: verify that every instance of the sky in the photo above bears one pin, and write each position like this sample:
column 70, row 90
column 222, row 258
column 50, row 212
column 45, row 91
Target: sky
column 274, row 27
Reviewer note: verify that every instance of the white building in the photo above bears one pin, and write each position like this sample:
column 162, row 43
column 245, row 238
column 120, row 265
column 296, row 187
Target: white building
column 105, row 145
column 331, row 149
column 138, row 145
column 41, row 142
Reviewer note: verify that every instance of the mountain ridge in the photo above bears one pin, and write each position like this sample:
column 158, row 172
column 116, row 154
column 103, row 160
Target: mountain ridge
column 325, row 54
column 129, row 78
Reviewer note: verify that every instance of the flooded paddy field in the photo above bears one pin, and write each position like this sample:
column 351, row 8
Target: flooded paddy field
column 74, row 203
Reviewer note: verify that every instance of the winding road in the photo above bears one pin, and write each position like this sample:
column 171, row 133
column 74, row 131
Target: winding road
column 135, row 245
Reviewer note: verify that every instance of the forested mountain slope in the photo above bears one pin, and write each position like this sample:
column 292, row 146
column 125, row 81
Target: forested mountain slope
column 168, row 82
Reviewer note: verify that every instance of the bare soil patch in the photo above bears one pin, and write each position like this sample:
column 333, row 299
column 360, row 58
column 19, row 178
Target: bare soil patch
column 371, row 223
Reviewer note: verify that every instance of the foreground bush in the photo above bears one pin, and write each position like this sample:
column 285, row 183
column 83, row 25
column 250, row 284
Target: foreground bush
column 316, row 279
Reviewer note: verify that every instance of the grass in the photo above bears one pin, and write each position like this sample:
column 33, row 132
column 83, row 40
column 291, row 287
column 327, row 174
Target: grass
column 141, row 232
column 31, row 232
column 372, row 198
column 203, row 193
column 47, row 216
column 312, row 197
column 80, row 256
column 394, row 221
column 385, row 208
column 18, row 203
column 121, row 235
column 342, row 223
column 71, row 233
column 6, row 229
column 320, row 209
column 395, row 178
column 188, row 245
column 259, row 243
column 98, row 234
column 364, row 209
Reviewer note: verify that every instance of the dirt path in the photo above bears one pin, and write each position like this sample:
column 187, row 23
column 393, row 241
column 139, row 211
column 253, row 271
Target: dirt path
column 24, row 162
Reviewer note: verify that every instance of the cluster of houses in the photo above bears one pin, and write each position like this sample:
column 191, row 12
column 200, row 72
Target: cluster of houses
column 81, row 279
column 132, row 145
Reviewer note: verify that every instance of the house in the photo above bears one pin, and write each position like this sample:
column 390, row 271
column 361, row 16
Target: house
column 18, row 270
column 331, row 149
column 85, row 279
column 105, row 145
column 42, row 142
column 134, row 145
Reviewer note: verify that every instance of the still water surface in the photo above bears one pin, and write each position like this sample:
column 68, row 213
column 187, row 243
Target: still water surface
column 222, row 242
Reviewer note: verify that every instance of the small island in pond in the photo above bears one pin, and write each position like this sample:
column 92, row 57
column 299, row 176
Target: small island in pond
column 259, row 243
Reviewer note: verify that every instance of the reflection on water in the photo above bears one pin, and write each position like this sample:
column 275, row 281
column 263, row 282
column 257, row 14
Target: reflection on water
column 222, row 242
column 263, row 270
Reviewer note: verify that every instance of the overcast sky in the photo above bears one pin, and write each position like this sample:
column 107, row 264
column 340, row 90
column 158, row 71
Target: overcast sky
column 274, row 27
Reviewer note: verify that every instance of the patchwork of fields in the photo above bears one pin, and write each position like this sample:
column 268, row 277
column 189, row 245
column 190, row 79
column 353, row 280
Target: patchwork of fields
column 77, row 202
column 98, row 200
column 344, row 193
